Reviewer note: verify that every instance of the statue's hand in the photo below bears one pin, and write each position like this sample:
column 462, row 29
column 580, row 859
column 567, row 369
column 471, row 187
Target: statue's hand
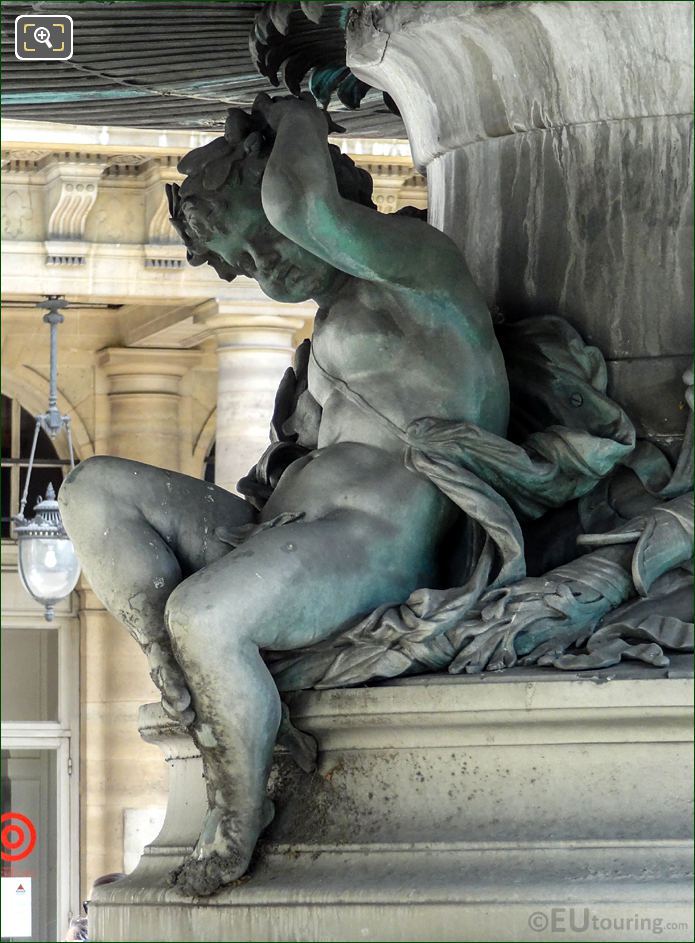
column 274, row 111
column 167, row 675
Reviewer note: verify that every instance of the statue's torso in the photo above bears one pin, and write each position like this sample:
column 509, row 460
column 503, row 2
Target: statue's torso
column 407, row 356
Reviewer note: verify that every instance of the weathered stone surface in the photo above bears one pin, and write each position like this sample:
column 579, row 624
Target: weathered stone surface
column 416, row 825
column 592, row 222
column 465, row 72
column 557, row 139
column 649, row 395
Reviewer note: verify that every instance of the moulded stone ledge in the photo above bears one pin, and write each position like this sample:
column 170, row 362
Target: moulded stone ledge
column 445, row 809
column 495, row 69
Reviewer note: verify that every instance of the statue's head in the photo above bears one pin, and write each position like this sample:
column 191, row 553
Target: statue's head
column 218, row 213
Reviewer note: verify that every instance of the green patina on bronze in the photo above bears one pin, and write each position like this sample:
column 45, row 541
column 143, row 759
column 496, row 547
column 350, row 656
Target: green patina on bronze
column 439, row 492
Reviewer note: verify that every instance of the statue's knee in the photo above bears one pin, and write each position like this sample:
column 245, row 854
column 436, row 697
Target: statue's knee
column 182, row 612
column 85, row 487
column 196, row 622
column 89, row 476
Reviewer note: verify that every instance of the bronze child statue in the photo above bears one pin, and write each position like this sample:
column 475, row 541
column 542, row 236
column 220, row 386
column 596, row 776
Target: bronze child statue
column 394, row 467
column 265, row 201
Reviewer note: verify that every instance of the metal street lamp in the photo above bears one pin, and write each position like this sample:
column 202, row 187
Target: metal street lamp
column 48, row 564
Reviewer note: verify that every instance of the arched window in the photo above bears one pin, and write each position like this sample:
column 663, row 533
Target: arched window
column 17, row 434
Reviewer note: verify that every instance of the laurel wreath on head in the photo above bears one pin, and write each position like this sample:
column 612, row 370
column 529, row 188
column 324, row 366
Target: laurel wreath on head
column 240, row 156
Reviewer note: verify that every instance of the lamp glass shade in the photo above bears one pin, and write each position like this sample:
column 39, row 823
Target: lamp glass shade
column 49, row 567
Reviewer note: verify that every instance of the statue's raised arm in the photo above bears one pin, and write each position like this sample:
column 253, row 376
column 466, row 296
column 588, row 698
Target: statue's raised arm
column 301, row 199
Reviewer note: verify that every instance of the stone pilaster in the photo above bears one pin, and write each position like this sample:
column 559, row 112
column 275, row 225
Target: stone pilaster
column 255, row 344
column 118, row 770
column 144, row 397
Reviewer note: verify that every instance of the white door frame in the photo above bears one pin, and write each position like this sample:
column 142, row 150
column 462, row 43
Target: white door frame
column 67, row 890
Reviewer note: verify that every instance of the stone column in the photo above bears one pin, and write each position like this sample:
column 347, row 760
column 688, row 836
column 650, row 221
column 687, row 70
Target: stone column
column 255, row 344
column 144, row 400
column 557, row 143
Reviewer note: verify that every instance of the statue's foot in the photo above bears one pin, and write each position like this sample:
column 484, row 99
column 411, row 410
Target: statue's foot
column 176, row 704
column 222, row 854
column 200, row 877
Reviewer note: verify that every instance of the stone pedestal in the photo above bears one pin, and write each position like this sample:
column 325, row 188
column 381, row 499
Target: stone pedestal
column 509, row 807
column 557, row 141
column 254, row 348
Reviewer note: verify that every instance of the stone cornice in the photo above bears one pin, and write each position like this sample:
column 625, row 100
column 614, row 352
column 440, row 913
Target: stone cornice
column 46, row 136
column 119, row 174
column 131, row 151
column 251, row 307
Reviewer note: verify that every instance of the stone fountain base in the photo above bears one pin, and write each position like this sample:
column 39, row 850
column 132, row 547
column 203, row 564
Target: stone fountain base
column 525, row 805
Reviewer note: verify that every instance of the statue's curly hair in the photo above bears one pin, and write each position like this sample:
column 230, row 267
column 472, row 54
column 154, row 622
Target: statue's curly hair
column 239, row 157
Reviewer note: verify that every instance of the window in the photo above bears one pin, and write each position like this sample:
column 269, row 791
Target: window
column 17, row 435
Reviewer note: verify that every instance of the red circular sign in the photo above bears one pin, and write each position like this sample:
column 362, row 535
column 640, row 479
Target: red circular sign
column 14, row 836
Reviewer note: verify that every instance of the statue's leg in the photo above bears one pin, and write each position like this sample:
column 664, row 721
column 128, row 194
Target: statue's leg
column 283, row 589
column 138, row 531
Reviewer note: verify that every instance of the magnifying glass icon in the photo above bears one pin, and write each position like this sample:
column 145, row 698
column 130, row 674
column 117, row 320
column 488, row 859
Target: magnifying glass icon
column 43, row 35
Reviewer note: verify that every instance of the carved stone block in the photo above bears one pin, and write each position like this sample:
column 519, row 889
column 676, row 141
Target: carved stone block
column 443, row 809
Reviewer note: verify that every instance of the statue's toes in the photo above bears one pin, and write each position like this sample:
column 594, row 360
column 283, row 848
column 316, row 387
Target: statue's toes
column 178, row 696
column 201, row 877
column 183, row 717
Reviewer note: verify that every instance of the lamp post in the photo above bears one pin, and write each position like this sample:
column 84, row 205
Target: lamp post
column 48, row 564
